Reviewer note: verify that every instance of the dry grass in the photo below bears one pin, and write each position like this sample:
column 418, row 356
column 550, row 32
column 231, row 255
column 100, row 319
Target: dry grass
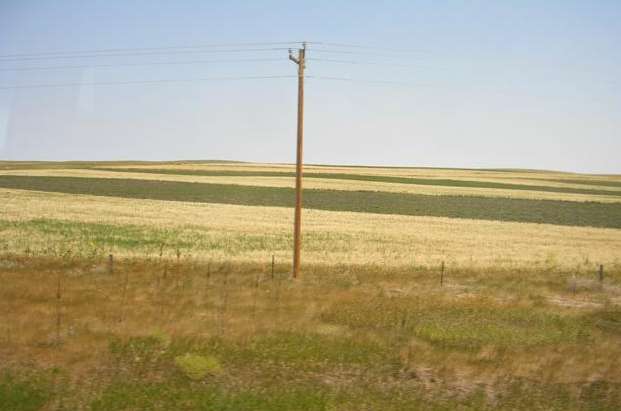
column 337, row 329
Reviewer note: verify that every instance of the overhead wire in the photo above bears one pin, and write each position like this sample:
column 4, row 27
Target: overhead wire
column 159, row 63
column 146, row 53
column 130, row 49
column 370, row 50
column 367, row 47
column 391, row 57
column 160, row 81
column 165, row 63
column 358, row 62
column 325, row 47
column 359, row 80
column 111, row 83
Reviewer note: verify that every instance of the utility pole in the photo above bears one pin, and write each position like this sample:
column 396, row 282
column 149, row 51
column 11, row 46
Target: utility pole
column 300, row 60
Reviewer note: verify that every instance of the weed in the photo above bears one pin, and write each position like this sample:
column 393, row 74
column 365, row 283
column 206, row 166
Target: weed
column 197, row 367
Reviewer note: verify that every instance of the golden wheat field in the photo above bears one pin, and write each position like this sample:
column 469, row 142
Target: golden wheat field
column 168, row 286
column 330, row 237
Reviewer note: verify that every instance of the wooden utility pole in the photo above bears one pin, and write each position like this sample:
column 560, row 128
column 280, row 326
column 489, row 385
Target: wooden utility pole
column 300, row 60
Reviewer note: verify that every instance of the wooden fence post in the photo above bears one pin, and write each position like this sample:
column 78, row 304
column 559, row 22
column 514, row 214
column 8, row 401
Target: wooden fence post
column 272, row 266
column 110, row 264
column 442, row 275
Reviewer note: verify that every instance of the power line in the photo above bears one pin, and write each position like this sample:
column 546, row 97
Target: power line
column 366, row 47
column 355, row 52
column 147, row 53
column 201, row 46
column 324, row 47
column 86, row 66
column 165, row 63
column 129, row 50
column 358, row 80
column 358, row 62
column 111, row 83
column 161, row 81
column 324, row 43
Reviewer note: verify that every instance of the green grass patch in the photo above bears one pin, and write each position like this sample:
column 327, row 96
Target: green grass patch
column 52, row 236
column 311, row 394
column 607, row 319
column 268, row 355
column 310, row 350
column 456, row 324
column 174, row 396
column 94, row 236
column 23, row 393
column 307, row 350
column 483, row 208
column 197, row 367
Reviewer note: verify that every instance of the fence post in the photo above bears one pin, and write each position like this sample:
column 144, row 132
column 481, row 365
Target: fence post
column 58, row 308
column 601, row 273
column 442, row 275
column 272, row 266
column 110, row 264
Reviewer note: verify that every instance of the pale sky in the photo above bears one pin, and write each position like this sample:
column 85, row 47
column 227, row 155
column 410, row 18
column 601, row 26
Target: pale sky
column 511, row 84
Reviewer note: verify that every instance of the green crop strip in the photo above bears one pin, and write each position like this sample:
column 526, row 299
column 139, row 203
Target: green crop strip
column 481, row 208
column 376, row 178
